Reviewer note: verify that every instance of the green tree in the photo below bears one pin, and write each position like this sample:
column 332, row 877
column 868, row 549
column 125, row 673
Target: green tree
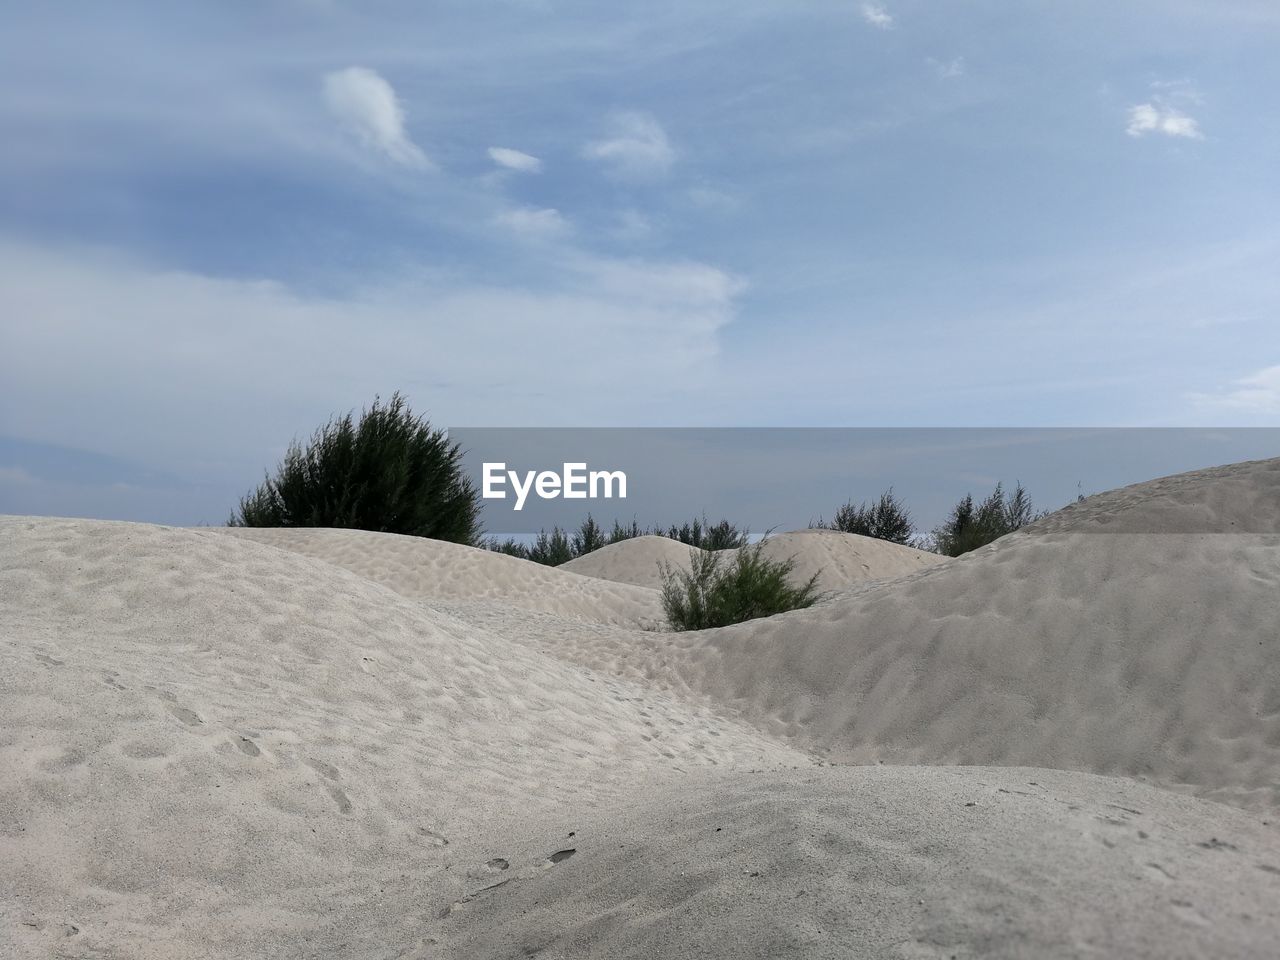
column 510, row 546
column 886, row 519
column 699, row 533
column 970, row 525
column 620, row 533
column 551, row 548
column 390, row 472
column 588, row 538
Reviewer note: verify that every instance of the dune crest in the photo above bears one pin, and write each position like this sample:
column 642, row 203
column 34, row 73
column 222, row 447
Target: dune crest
column 432, row 570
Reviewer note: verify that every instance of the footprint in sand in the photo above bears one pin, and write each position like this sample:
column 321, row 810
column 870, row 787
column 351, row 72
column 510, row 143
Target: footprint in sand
column 340, row 798
column 49, row 661
column 433, row 838
column 189, row 717
column 331, row 772
column 324, row 769
column 248, row 747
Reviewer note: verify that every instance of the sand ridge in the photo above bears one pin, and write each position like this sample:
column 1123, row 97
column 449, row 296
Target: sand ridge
column 211, row 744
column 435, row 570
column 1235, row 498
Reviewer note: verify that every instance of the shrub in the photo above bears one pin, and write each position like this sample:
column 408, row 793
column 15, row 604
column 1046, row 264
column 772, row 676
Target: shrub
column 620, row 533
column 551, row 548
column 971, row 525
column 886, row 519
column 712, row 593
column 510, row 546
column 589, row 537
column 698, row 533
column 390, row 472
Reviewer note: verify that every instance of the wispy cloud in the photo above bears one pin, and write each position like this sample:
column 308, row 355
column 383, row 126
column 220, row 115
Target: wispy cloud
column 515, row 160
column 450, row 341
column 947, row 69
column 632, row 227
column 1160, row 117
column 709, row 198
column 1257, row 393
column 533, row 222
column 637, row 147
column 16, row 476
column 368, row 106
column 876, row 15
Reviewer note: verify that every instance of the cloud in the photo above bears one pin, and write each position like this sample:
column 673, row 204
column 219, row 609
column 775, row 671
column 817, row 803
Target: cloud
column 1256, row 393
column 637, row 149
column 515, row 160
column 16, row 476
column 367, row 105
column 462, row 348
column 1158, row 117
column 534, row 222
column 947, row 69
column 632, row 227
column 876, row 15
column 709, row 198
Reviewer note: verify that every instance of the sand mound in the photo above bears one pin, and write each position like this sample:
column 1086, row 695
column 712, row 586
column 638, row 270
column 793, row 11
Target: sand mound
column 423, row 569
column 1237, row 498
column 843, row 560
column 905, row 862
column 358, row 746
column 840, row 559
column 1148, row 655
column 213, row 747
column 634, row 561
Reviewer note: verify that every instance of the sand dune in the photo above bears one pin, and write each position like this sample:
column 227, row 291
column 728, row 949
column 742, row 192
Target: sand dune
column 843, row 560
column 330, row 743
column 1149, row 655
column 1236, row 498
column 839, row 559
column 907, row 862
column 213, row 747
column 435, row 570
column 636, row 561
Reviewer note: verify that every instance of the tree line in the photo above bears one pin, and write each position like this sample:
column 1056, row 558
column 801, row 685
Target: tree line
column 390, row 471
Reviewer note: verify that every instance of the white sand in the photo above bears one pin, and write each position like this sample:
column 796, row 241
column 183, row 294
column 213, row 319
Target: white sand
column 333, row 744
column 908, row 862
column 432, row 570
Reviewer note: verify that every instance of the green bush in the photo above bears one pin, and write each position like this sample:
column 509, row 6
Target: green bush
column 390, row 472
column 886, row 519
column 589, row 537
column 699, row 533
column 510, row 546
column 712, row 593
column 620, row 533
column 551, row 548
column 971, row 525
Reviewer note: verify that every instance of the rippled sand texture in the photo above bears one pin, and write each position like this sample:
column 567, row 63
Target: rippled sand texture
column 321, row 743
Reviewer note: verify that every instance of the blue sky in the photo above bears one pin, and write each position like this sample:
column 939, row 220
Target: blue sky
column 222, row 222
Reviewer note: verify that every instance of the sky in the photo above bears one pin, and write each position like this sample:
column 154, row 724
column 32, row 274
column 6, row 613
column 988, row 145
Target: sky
column 222, row 223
